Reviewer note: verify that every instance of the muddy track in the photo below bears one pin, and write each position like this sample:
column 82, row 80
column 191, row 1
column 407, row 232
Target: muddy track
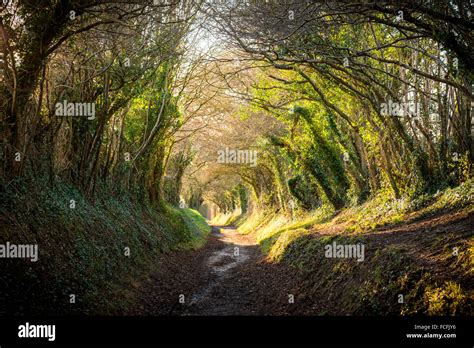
column 228, row 276
column 222, row 263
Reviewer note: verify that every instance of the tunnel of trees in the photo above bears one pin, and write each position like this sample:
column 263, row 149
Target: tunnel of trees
column 130, row 103
column 321, row 72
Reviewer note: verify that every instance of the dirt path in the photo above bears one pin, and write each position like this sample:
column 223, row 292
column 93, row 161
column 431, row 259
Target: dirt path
column 228, row 276
column 237, row 250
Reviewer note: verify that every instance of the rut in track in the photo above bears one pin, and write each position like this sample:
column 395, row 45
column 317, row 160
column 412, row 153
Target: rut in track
column 236, row 251
column 228, row 276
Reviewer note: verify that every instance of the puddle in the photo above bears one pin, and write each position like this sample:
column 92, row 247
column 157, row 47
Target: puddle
column 234, row 254
column 220, row 262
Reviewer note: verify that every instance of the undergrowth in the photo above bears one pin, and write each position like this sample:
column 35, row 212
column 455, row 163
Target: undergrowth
column 375, row 285
column 90, row 249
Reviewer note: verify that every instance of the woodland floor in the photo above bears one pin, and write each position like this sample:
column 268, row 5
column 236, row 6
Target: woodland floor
column 215, row 281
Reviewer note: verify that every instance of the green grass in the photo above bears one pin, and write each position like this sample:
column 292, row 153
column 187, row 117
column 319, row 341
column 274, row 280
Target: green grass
column 372, row 286
column 382, row 210
column 226, row 219
column 198, row 228
column 82, row 250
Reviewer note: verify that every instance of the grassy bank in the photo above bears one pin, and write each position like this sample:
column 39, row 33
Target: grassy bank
column 420, row 249
column 90, row 249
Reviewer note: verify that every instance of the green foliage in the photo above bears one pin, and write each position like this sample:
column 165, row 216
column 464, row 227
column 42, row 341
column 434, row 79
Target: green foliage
column 373, row 286
column 83, row 249
column 305, row 191
column 446, row 300
column 197, row 228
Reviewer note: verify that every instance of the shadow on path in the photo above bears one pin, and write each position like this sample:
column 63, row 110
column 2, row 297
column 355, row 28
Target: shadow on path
column 233, row 251
column 228, row 276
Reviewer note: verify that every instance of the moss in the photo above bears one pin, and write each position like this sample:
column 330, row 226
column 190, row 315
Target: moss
column 198, row 229
column 448, row 299
column 82, row 250
column 373, row 286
